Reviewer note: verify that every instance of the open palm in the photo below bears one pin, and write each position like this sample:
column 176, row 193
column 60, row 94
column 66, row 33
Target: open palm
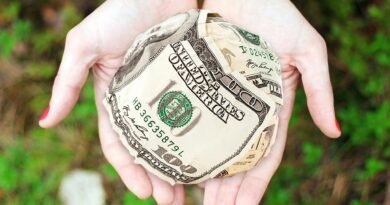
column 100, row 41
column 302, row 52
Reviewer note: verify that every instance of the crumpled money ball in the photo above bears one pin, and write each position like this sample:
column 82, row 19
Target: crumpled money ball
column 196, row 98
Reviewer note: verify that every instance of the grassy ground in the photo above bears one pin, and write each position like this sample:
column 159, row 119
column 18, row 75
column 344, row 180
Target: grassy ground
column 315, row 170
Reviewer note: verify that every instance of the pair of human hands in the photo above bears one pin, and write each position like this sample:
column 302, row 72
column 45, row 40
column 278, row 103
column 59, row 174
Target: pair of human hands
column 101, row 40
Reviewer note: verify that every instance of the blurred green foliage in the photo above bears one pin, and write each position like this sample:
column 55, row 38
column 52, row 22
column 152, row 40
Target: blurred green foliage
column 358, row 37
column 315, row 170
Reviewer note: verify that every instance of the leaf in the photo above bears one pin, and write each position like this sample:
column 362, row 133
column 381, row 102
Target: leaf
column 8, row 175
column 21, row 29
column 374, row 166
column 43, row 42
column 11, row 11
column 375, row 12
column 7, row 43
column 109, row 171
column 71, row 16
column 312, row 154
column 41, row 70
column 131, row 199
column 280, row 196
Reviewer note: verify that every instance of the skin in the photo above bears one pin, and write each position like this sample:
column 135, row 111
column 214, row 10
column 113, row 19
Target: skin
column 100, row 41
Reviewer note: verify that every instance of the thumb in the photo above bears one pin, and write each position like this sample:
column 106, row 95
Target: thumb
column 73, row 71
column 313, row 66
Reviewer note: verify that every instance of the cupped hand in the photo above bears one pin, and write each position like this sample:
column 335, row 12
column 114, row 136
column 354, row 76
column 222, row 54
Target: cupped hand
column 303, row 56
column 99, row 42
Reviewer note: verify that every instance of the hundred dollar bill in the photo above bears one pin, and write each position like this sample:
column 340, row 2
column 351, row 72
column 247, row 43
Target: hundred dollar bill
column 180, row 107
column 149, row 44
column 259, row 150
column 247, row 53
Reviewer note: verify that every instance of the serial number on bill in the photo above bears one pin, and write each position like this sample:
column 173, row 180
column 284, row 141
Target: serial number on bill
column 157, row 130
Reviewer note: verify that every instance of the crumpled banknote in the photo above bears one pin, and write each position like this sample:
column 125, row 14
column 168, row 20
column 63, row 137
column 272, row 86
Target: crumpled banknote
column 196, row 98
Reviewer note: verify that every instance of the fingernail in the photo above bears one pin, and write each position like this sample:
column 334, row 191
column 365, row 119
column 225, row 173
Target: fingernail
column 338, row 125
column 44, row 114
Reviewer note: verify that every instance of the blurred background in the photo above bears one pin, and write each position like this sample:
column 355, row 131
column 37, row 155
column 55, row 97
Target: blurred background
column 354, row 169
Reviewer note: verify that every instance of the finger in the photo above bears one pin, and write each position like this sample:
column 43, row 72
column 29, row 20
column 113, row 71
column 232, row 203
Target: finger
column 133, row 175
column 256, row 180
column 163, row 192
column 228, row 189
column 211, row 191
column 313, row 66
column 70, row 78
column 179, row 195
